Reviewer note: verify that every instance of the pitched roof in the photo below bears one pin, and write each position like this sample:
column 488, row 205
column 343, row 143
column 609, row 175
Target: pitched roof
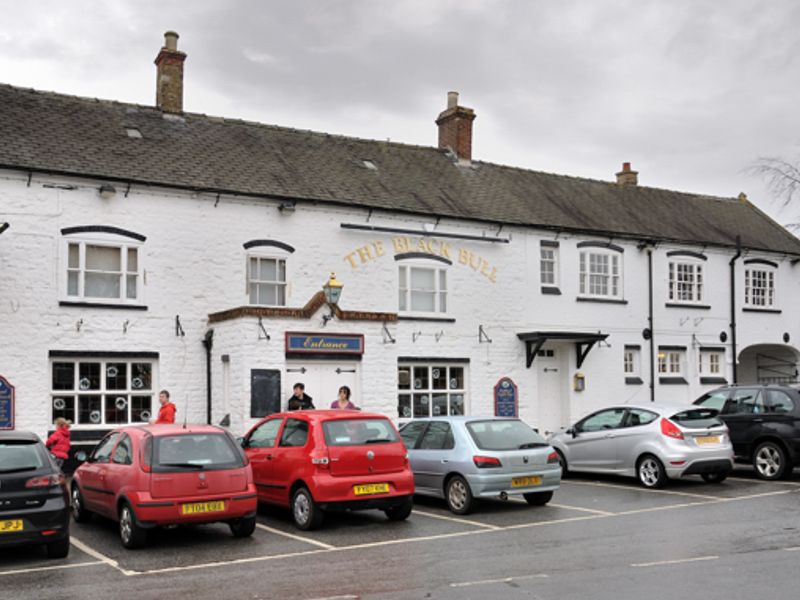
column 44, row 131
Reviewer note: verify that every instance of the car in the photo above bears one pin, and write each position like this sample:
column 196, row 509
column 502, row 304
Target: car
column 155, row 475
column 764, row 424
column 318, row 461
column 653, row 442
column 462, row 459
column 34, row 502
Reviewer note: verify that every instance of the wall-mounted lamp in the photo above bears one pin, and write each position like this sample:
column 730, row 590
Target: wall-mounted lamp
column 287, row 207
column 333, row 291
column 107, row 191
column 4, row 225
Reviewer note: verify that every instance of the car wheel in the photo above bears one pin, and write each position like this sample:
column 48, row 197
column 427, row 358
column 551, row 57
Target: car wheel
column 79, row 512
column 562, row 462
column 243, row 527
column 770, row 461
column 717, row 477
column 651, row 472
column 400, row 512
column 131, row 534
column 59, row 549
column 305, row 512
column 458, row 495
column 538, row 498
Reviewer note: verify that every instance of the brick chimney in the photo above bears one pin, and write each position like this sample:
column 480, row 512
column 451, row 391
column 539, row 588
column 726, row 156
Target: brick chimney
column 169, row 75
column 626, row 176
column 455, row 128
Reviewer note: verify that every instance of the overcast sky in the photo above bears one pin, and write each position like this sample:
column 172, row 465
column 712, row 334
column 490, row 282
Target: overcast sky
column 691, row 92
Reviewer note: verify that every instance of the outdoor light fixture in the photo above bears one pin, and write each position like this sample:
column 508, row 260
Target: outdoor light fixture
column 333, row 291
column 107, row 191
column 286, row 207
column 4, row 225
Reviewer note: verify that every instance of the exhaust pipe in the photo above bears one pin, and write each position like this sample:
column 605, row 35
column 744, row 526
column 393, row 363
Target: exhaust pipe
column 503, row 496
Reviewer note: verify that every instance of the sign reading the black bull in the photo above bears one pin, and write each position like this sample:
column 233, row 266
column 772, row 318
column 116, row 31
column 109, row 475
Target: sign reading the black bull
column 6, row 404
column 506, row 398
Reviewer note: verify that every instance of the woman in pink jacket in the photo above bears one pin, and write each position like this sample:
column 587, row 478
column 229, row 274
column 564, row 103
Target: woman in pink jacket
column 58, row 443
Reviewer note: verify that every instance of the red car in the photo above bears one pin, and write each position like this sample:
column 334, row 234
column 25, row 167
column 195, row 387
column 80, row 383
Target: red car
column 325, row 460
column 146, row 476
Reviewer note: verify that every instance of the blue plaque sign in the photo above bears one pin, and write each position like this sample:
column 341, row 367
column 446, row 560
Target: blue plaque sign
column 314, row 343
column 506, row 398
column 6, row 404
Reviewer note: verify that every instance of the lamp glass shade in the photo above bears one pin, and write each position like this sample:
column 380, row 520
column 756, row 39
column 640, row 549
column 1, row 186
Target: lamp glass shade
column 333, row 290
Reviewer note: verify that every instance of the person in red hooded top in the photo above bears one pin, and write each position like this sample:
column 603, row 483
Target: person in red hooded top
column 58, row 443
column 166, row 414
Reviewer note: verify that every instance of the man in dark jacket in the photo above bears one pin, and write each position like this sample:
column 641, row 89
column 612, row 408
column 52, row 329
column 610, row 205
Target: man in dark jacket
column 300, row 400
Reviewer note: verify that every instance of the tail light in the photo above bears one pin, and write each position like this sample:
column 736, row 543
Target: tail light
column 669, row 429
column 45, row 481
column 405, row 459
column 552, row 457
column 487, row 462
column 147, row 454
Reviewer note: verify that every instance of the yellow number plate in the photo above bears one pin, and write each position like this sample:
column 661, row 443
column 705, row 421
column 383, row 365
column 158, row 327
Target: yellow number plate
column 371, row 488
column 709, row 439
column 526, row 481
column 9, row 526
column 202, row 507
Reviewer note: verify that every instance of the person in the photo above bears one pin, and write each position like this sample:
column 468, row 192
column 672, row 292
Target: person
column 343, row 401
column 166, row 414
column 300, row 400
column 58, row 443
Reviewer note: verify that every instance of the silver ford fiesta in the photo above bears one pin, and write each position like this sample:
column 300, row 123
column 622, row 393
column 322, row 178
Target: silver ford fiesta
column 464, row 458
column 652, row 442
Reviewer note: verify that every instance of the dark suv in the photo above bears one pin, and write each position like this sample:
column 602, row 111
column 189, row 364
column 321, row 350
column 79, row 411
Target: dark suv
column 764, row 424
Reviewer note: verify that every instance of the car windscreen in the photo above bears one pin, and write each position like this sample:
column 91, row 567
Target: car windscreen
column 20, row 456
column 195, row 451
column 506, row 434
column 697, row 418
column 356, row 432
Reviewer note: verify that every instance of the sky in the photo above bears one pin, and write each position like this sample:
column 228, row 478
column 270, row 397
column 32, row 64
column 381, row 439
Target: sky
column 691, row 92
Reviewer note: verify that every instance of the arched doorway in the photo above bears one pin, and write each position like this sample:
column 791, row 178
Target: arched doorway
column 768, row 363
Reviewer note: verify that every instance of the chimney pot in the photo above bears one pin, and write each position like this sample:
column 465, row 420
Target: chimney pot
column 171, row 40
column 455, row 128
column 452, row 99
column 627, row 176
column 169, row 75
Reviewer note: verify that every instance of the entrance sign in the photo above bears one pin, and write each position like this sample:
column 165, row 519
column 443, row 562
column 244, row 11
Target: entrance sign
column 506, row 398
column 6, row 404
column 313, row 343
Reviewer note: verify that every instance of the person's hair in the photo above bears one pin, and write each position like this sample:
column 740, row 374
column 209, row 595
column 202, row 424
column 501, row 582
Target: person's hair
column 346, row 391
column 62, row 422
column 299, row 385
column 165, row 392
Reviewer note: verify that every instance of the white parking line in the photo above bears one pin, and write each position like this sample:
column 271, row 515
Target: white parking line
column 603, row 513
column 295, row 537
column 347, row 597
column 226, row 563
column 639, row 489
column 95, row 554
column 53, row 568
column 747, row 480
column 503, row 580
column 675, row 562
column 454, row 519
column 793, row 549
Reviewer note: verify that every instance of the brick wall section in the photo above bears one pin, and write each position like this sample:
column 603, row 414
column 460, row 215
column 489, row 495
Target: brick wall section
column 169, row 80
column 455, row 131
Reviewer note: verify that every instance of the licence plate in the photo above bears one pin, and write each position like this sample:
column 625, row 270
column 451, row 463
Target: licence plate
column 707, row 439
column 202, row 507
column 526, row 481
column 9, row 526
column 371, row 488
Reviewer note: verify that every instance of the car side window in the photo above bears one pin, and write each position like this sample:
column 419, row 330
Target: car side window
column 102, row 452
column 439, row 436
column 749, row 402
column 411, row 432
column 638, row 416
column 605, row 419
column 265, row 434
column 779, row 402
column 715, row 400
column 123, row 453
column 295, row 434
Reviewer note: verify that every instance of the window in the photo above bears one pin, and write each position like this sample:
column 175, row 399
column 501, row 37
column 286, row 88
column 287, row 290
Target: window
column 548, row 265
column 710, row 362
column 411, row 432
column 423, row 289
column 779, row 402
column 266, row 280
column 265, row 435
column 94, row 392
column 606, row 419
column 639, row 416
column 759, row 287
column 430, row 391
column 102, row 452
column 717, row 399
column 504, row 434
column 631, row 361
column 123, row 454
column 600, row 274
column 358, row 432
column 295, row 433
column 670, row 362
column 103, row 270
column 746, row 402
column 439, row 436
column 685, row 281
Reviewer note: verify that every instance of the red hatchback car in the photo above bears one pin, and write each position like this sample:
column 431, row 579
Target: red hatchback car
column 325, row 460
column 146, row 476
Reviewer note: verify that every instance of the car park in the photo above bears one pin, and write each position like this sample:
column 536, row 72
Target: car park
column 764, row 424
column 462, row 459
column 317, row 461
column 653, row 442
column 34, row 502
column 156, row 475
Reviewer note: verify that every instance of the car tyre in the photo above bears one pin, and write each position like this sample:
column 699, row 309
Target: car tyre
column 307, row 515
column 79, row 512
column 651, row 472
column 716, row 477
column 243, row 527
column 131, row 534
column 59, row 549
column 459, row 495
column 770, row 462
column 538, row 498
column 400, row 512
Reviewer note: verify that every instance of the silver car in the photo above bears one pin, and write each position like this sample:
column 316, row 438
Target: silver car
column 464, row 458
column 653, row 442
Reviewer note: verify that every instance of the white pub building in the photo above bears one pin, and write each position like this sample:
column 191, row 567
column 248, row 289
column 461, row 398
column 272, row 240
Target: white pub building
column 146, row 247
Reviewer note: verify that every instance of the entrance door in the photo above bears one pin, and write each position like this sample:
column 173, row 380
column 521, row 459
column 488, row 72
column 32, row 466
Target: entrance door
column 324, row 378
column 550, row 390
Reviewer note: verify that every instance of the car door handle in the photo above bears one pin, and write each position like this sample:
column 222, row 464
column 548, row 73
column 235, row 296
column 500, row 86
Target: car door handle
column 445, row 461
column 758, row 420
column 269, row 456
column 608, row 436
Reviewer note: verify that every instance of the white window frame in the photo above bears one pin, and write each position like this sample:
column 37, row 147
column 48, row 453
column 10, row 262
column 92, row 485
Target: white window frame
column 770, row 276
column 405, row 292
column 678, row 286
column 410, row 389
column 632, row 362
column 552, row 261
column 671, row 363
column 107, row 240
column 711, row 363
column 612, row 279
column 276, row 256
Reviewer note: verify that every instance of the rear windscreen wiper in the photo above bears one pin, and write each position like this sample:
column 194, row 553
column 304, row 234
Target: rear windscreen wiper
column 184, row 465
column 18, row 469
column 533, row 445
column 377, row 441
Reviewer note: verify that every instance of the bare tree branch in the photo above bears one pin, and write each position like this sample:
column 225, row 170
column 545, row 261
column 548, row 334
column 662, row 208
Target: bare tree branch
column 782, row 177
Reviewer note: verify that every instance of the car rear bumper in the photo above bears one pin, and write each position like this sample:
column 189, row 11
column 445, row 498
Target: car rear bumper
column 52, row 517
column 168, row 511
column 329, row 491
column 494, row 484
column 380, row 503
column 704, row 466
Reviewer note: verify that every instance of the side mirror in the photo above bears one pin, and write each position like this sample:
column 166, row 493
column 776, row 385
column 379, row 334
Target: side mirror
column 573, row 432
column 81, row 456
column 242, row 442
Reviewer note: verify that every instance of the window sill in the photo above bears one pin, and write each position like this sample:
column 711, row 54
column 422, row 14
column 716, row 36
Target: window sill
column 424, row 318
column 672, row 381
column 774, row 311
column 102, row 305
column 601, row 300
column 687, row 305
column 549, row 290
column 633, row 381
column 714, row 380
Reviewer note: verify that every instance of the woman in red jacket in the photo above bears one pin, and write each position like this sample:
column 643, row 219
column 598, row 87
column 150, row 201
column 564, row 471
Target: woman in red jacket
column 58, row 443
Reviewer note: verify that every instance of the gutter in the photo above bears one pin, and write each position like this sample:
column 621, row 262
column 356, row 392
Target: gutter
column 732, row 265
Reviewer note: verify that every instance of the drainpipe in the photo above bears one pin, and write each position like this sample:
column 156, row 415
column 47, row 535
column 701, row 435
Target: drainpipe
column 208, row 343
column 650, row 324
column 733, row 304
